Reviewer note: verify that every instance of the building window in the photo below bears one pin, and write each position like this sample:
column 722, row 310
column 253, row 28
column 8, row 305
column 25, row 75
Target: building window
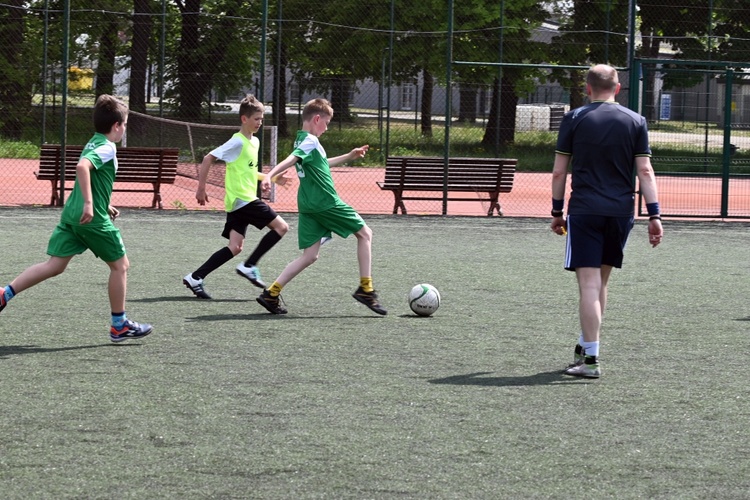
column 408, row 93
column 294, row 91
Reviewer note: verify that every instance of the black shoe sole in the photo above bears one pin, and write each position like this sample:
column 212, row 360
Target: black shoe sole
column 269, row 308
column 205, row 296
column 362, row 300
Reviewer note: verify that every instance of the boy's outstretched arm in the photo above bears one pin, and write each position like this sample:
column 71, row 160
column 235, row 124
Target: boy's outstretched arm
column 288, row 162
column 354, row 154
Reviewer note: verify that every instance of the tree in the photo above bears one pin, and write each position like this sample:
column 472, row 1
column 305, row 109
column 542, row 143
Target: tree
column 18, row 58
column 139, row 49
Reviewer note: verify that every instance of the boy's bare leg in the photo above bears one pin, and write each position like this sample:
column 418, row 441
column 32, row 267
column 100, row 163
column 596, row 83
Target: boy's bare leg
column 118, row 283
column 40, row 272
column 308, row 258
column 364, row 251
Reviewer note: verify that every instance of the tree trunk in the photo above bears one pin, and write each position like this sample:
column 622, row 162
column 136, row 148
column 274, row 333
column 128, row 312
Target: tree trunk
column 192, row 88
column 497, row 137
column 279, row 108
column 467, row 106
column 425, row 107
column 139, row 54
column 577, row 86
column 139, row 62
column 14, row 92
column 340, row 98
column 105, row 70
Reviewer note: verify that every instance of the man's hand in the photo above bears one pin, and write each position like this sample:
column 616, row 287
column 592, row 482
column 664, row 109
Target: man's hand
column 558, row 226
column 655, row 232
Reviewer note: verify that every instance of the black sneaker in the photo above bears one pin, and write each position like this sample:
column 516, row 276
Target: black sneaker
column 195, row 286
column 130, row 330
column 370, row 299
column 271, row 303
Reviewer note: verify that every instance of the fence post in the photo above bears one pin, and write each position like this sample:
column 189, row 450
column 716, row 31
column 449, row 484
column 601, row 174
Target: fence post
column 726, row 156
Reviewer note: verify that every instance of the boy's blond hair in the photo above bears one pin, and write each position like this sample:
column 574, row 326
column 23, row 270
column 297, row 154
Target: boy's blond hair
column 250, row 105
column 317, row 106
column 108, row 110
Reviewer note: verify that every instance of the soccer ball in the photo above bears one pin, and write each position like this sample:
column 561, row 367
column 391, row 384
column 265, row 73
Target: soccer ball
column 424, row 299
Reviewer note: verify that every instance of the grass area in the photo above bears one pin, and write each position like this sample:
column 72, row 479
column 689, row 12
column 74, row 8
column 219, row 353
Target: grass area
column 332, row 401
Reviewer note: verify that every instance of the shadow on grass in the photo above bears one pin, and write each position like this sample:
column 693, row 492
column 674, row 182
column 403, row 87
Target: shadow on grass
column 743, row 319
column 264, row 316
column 9, row 350
column 544, row 378
column 149, row 300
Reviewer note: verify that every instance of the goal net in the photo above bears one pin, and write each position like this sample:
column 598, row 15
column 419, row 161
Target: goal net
column 194, row 141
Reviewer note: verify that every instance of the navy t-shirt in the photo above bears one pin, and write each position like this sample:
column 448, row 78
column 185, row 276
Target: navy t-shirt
column 604, row 139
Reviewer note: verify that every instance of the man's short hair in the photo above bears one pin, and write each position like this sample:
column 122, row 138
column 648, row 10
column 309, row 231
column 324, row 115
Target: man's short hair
column 250, row 105
column 317, row 106
column 602, row 78
column 108, row 110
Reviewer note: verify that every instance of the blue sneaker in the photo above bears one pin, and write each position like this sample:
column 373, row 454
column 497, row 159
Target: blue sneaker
column 130, row 330
column 252, row 274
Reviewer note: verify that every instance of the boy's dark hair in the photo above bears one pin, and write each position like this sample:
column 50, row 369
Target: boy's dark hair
column 250, row 105
column 317, row 106
column 108, row 110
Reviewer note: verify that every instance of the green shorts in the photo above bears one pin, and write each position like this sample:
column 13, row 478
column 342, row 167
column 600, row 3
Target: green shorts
column 341, row 219
column 69, row 239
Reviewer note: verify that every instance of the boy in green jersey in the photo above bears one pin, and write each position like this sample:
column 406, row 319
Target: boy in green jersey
column 86, row 221
column 321, row 211
column 243, row 207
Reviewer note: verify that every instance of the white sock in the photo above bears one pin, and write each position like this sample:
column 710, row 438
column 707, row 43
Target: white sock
column 592, row 348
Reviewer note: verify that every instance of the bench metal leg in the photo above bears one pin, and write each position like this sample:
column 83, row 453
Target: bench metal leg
column 157, row 197
column 398, row 203
column 55, row 195
column 494, row 205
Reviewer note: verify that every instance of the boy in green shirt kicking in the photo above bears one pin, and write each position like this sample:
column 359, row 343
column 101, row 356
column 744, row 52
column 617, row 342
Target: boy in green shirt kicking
column 321, row 211
column 241, row 202
column 86, row 221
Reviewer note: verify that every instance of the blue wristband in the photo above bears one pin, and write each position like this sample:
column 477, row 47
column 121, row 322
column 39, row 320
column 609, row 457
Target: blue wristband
column 557, row 205
column 653, row 208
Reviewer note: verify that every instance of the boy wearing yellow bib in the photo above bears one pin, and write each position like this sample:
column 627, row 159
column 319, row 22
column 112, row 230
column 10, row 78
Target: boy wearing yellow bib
column 243, row 207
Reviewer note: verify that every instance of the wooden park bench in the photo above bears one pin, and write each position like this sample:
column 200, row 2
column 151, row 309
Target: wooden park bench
column 486, row 178
column 154, row 166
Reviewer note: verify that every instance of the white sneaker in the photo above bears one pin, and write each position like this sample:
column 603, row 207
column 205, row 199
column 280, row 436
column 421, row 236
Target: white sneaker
column 325, row 239
column 585, row 370
column 252, row 273
column 195, row 286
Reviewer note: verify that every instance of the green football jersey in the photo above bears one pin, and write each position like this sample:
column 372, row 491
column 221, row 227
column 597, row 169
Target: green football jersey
column 316, row 192
column 102, row 153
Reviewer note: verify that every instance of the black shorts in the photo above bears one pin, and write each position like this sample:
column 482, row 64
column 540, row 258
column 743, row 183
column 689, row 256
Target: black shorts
column 596, row 240
column 257, row 213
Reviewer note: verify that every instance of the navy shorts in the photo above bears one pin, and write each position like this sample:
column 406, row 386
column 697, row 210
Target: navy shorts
column 596, row 240
column 257, row 213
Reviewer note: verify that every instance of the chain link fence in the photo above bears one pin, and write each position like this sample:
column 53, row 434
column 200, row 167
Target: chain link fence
column 393, row 71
